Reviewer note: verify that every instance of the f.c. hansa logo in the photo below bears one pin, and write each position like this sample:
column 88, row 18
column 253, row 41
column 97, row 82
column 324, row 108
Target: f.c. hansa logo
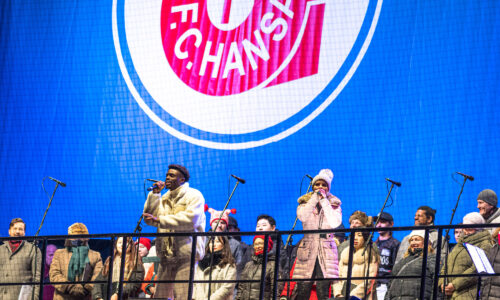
column 236, row 74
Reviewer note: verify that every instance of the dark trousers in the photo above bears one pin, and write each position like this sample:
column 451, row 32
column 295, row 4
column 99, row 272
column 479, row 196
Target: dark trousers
column 322, row 287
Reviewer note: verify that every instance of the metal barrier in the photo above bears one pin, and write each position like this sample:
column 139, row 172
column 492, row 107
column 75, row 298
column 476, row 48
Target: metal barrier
column 42, row 242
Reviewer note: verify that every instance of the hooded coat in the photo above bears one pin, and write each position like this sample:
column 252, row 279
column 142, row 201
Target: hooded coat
column 460, row 263
column 318, row 214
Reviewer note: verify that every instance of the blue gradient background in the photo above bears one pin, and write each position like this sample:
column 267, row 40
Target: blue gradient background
column 422, row 104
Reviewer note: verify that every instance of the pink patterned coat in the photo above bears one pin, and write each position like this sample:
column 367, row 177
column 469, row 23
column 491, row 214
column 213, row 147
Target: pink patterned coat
column 318, row 214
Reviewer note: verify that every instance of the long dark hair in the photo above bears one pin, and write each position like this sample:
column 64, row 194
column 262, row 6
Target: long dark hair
column 130, row 258
column 227, row 256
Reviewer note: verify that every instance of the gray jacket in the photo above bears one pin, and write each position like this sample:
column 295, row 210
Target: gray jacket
column 23, row 265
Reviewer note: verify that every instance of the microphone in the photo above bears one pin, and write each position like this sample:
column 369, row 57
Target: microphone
column 393, row 182
column 153, row 180
column 239, row 179
column 309, row 176
column 58, row 181
column 466, row 176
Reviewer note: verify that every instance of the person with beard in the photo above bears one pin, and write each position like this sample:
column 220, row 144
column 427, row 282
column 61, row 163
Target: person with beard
column 411, row 265
column 460, row 263
column 20, row 262
column 317, row 255
column 487, row 204
column 253, row 271
column 180, row 209
column 388, row 248
column 217, row 264
column 75, row 263
column 424, row 216
column 133, row 271
column 364, row 264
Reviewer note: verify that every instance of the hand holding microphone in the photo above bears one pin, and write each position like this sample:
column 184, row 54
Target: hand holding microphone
column 321, row 193
column 157, row 186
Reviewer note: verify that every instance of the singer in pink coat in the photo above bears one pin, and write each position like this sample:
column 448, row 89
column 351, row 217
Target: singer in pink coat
column 317, row 253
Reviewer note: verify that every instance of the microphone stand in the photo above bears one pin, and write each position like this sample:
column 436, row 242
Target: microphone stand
column 289, row 240
column 369, row 241
column 211, row 247
column 447, row 238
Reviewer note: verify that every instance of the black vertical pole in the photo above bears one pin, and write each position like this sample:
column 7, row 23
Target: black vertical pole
column 276, row 266
column 110, row 269
column 42, row 275
column 192, row 266
column 264, row 265
column 424, row 264
column 437, row 266
column 122, row 268
column 349, row 265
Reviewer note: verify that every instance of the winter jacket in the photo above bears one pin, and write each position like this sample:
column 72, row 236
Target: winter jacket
column 388, row 250
column 23, row 265
column 100, row 291
column 252, row 271
column 491, row 285
column 494, row 218
column 59, row 273
column 460, row 263
column 360, row 268
column 433, row 237
column 179, row 210
column 409, row 289
column 326, row 215
column 218, row 291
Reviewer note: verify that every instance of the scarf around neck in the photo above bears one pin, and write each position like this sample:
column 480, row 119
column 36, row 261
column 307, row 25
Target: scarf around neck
column 78, row 260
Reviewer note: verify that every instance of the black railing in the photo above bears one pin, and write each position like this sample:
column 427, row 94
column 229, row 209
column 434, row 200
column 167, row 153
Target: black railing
column 42, row 242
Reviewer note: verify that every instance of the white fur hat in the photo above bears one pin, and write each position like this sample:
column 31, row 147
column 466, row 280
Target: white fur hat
column 326, row 175
column 420, row 233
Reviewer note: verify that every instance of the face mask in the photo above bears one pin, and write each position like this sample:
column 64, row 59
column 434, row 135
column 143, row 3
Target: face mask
column 76, row 243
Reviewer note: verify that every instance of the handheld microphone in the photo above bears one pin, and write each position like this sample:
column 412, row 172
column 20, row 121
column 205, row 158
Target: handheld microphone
column 58, row 181
column 393, row 182
column 466, row 176
column 239, row 179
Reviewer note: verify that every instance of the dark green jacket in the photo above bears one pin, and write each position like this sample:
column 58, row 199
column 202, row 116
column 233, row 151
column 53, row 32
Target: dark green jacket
column 460, row 263
column 252, row 271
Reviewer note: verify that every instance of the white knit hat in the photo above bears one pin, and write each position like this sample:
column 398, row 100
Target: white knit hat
column 326, row 175
column 420, row 233
column 473, row 218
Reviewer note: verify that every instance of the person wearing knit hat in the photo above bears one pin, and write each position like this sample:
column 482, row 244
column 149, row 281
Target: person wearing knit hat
column 487, row 202
column 460, row 262
column 236, row 248
column 144, row 245
column 411, row 265
column 317, row 253
column 75, row 263
column 180, row 209
column 20, row 261
column 424, row 216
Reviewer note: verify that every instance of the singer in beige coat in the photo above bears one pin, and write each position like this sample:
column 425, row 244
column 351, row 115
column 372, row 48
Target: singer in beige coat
column 317, row 254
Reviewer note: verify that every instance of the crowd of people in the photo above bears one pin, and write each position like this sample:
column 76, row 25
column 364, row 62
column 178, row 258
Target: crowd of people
column 227, row 268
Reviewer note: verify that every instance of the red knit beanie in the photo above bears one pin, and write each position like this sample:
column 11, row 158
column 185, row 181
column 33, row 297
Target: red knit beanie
column 270, row 243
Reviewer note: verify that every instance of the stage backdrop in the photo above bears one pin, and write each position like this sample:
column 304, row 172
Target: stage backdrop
column 104, row 94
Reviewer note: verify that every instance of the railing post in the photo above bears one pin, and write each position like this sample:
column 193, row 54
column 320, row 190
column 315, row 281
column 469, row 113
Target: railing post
column 349, row 265
column 276, row 266
column 424, row 264
column 42, row 271
column 110, row 269
column 264, row 265
column 122, row 267
column 192, row 266
column 437, row 267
